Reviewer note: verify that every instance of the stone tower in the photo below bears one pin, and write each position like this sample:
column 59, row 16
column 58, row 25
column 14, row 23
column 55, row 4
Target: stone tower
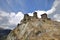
column 44, row 16
column 26, row 18
column 35, row 15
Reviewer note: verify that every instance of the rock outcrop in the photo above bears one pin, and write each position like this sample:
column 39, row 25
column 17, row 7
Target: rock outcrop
column 34, row 28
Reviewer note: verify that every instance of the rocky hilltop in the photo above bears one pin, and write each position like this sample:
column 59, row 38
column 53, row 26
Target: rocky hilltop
column 34, row 28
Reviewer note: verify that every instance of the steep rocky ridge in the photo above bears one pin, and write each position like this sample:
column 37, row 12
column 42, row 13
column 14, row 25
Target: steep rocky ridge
column 34, row 28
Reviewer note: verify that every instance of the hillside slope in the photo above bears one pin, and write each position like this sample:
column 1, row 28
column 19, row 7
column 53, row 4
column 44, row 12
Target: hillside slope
column 34, row 28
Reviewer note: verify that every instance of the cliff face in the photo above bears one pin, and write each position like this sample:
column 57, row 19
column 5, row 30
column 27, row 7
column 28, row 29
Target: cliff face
column 33, row 28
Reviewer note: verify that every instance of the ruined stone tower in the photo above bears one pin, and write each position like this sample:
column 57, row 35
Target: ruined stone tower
column 44, row 16
column 26, row 18
column 35, row 15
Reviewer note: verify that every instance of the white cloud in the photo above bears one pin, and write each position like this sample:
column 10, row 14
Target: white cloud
column 2, row 13
column 16, row 18
column 50, row 11
column 57, row 17
column 56, row 13
column 30, row 14
column 0, row 18
column 53, row 8
column 9, row 20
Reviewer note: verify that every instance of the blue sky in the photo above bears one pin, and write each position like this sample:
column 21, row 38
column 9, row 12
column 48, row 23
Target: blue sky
column 12, row 11
column 25, row 6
